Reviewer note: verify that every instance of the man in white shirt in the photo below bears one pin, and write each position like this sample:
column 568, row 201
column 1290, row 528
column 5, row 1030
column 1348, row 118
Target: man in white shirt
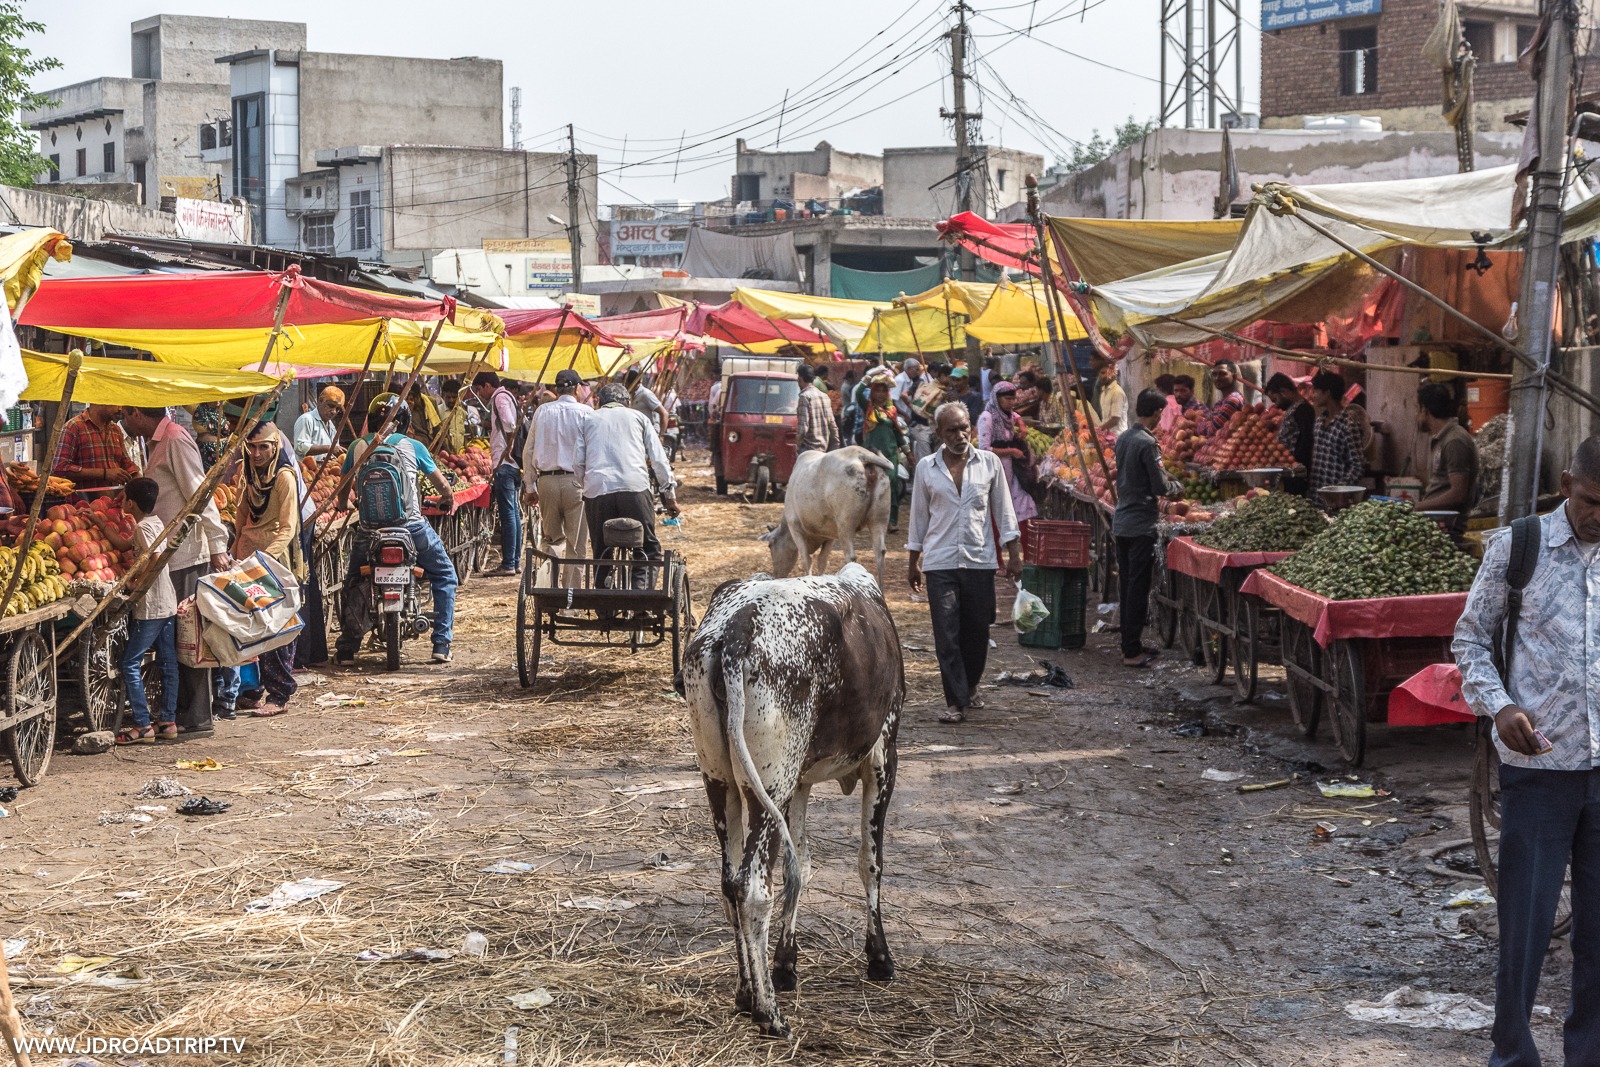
column 504, row 419
column 173, row 463
column 958, row 490
column 316, row 433
column 1113, row 401
column 617, row 450
column 549, row 461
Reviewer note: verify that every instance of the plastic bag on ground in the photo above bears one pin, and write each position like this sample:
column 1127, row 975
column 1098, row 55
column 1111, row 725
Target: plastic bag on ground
column 1028, row 612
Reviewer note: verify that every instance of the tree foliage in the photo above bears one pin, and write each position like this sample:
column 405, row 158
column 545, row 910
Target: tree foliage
column 20, row 161
column 1097, row 148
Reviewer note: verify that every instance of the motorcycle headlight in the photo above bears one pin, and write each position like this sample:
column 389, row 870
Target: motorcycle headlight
column 733, row 437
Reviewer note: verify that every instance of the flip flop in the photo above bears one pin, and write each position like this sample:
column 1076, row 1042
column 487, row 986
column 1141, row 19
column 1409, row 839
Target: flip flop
column 1143, row 662
column 270, row 711
column 953, row 715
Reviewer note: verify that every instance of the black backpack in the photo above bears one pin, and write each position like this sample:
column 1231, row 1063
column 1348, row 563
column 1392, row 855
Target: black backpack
column 1520, row 565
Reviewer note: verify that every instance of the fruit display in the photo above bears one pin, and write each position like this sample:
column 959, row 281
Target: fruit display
column 1271, row 522
column 1188, row 513
column 473, row 464
column 1379, row 549
column 1072, row 459
column 322, row 489
column 1197, row 489
column 1182, row 439
column 77, row 544
column 42, row 582
column 1039, row 442
column 24, row 479
column 1247, row 441
column 226, row 497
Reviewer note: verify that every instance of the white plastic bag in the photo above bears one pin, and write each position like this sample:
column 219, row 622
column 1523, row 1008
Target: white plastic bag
column 1029, row 612
column 249, row 609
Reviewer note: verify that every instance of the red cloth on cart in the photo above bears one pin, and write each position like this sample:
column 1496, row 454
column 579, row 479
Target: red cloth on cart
column 476, row 496
column 1332, row 620
column 1431, row 697
column 1197, row 561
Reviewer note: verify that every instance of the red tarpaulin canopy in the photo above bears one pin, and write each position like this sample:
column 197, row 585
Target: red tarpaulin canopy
column 660, row 324
column 734, row 324
column 549, row 320
column 225, row 300
column 1009, row 244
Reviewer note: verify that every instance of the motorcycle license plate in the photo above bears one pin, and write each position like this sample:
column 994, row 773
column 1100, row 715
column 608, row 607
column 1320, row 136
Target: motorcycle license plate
column 391, row 575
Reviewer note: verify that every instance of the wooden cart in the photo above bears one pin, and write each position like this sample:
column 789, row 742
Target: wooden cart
column 1063, row 501
column 1223, row 627
column 335, row 539
column 1348, row 655
column 28, row 699
column 465, row 529
column 589, row 615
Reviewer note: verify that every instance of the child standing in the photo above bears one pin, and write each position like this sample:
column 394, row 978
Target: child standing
column 154, row 623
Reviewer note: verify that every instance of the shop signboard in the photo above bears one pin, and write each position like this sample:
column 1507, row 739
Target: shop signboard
column 1284, row 14
column 647, row 239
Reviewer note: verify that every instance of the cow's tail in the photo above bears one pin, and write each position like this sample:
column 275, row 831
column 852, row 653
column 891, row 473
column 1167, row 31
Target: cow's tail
column 733, row 678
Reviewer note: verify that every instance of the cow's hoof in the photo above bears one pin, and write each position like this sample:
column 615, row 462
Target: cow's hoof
column 880, row 970
column 744, row 1003
column 784, row 979
column 774, row 1027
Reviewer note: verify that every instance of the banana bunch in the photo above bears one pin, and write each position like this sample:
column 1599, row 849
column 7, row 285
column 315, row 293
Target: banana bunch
column 42, row 582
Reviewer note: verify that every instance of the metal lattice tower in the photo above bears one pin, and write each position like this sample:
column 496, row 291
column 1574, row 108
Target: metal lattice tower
column 1200, row 39
column 516, row 116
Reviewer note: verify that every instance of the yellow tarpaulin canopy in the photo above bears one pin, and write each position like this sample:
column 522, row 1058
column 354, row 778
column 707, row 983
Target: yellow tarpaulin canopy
column 968, row 298
column 1104, row 250
column 1020, row 315
column 800, row 307
column 532, row 358
column 135, row 383
column 22, row 258
column 914, row 329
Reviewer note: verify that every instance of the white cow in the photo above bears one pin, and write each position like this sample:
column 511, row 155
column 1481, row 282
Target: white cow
column 830, row 497
column 789, row 683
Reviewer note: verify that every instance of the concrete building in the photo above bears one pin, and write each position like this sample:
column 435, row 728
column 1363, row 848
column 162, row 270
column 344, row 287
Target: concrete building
column 920, row 182
column 151, row 129
column 1315, row 62
column 823, row 173
column 1174, row 173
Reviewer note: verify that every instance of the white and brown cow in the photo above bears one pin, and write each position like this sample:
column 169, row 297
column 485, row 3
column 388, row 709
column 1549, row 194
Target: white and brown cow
column 830, row 497
column 791, row 682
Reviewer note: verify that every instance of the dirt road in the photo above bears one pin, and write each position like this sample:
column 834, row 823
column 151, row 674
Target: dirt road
column 1062, row 886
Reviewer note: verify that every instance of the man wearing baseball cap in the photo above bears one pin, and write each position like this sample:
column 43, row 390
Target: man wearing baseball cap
column 549, row 477
column 316, row 433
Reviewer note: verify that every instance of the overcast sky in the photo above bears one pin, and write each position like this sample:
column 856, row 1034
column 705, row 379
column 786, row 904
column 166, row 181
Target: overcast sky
column 635, row 76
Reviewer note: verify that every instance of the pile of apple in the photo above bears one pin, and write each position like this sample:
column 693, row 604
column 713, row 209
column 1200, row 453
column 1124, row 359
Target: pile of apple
column 1248, row 441
column 321, row 488
column 473, row 464
column 1187, row 511
column 80, row 547
column 1182, row 439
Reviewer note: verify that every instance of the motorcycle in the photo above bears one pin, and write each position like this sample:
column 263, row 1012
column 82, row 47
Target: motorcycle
column 396, row 602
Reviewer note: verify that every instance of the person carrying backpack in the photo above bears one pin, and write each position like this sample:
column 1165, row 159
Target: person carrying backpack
column 1525, row 645
column 385, row 489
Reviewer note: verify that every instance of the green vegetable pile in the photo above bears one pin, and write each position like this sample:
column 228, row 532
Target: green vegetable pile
column 1277, row 522
column 1379, row 549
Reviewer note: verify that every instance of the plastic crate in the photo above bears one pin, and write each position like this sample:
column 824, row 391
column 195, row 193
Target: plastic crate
column 1075, row 609
column 1056, row 543
column 1047, row 584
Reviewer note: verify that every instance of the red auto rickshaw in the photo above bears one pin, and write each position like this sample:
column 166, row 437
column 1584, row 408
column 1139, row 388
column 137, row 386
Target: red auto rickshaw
column 755, row 441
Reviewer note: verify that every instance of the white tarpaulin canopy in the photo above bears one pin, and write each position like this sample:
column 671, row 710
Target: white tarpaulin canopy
column 1278, row 258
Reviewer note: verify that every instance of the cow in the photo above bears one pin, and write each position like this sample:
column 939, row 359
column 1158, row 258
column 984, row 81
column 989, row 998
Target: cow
column 831, row 496
column 791, row 682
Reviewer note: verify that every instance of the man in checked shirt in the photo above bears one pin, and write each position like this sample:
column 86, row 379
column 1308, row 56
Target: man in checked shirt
column 1546, row 712
column 816, row 429
column 94, row 451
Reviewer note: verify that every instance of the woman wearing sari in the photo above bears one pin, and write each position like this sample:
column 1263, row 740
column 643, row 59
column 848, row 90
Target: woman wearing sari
column 1002, row 431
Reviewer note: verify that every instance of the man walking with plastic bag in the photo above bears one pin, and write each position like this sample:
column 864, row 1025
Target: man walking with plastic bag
column 1141, row 480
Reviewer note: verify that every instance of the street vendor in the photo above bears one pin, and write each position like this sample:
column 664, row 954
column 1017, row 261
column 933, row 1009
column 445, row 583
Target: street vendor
column 617, row 451
column 884, row 432
column 153, row 624
column 549, row 472
column 962, row 390
column 1298, row 430
column 1533, row 674
column 415, row 461
column 1336, row 452
column 1229, row 401
column 505, row 418
column 958, row 503
column 174, row 464
column 94, row 451
column 316, row 433
column 1113, row 401
column 1452, row 456
column 1141, row 480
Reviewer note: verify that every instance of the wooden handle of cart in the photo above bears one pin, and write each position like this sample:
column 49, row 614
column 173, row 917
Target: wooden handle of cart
column 327, row 458
column 10, row 1021
column 46, row 465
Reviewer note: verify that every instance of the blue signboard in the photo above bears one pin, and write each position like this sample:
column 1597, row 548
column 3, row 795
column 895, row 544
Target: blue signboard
column 1283, row 14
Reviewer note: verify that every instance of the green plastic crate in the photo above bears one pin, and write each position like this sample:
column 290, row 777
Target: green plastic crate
column 1065, row 592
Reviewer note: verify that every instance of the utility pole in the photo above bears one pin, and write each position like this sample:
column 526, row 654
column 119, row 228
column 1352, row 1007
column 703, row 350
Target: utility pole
column 968, row 132
column 574, row 234
column 1525, row 436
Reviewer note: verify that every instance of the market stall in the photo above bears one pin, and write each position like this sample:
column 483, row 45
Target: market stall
column 1227, row 629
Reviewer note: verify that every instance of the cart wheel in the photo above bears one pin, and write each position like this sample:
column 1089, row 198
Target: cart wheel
column 527, row 666
column 1183, row 592
column 1161, row 607
column 682, row 618
column 1300, row 652
column 31, row 688
column 1348, row 674
column 1245, row 619
column 100, row 688
column 330, row 573
column 390, row 627
column 1211, row 606
column 763, row 490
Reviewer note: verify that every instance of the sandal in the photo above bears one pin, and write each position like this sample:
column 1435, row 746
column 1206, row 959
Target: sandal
column 953, row 715
column 136, row 735
column 271, row 711
column 166, row 731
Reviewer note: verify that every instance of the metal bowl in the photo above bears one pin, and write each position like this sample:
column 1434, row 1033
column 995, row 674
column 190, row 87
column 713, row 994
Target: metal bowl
column 1263, row 477
column 1445, row 519
column 1339, row 497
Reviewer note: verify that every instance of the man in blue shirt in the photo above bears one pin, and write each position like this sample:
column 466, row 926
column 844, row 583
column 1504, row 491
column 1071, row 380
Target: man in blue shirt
column 414, row 460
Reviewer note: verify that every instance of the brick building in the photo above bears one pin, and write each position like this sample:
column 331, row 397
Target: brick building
column 1372, row 65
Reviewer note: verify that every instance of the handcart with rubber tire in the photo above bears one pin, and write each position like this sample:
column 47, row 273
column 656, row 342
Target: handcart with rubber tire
column 28, row 688
column 1220, row 623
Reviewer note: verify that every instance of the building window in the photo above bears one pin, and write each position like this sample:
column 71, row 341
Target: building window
column 1000, row 179
column 208, row 137
column 109, row 157
column 746, row 187
column 1480, row 38
column 55, row 166
column 138, row 174
column 1525, row 32
column 361, row 220
column 146, row 55
column 1358, row 61
column 316, row 233
column 83, row 162
column 249, row 156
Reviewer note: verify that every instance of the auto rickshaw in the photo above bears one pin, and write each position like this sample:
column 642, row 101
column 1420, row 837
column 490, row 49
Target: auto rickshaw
column 755, row 441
